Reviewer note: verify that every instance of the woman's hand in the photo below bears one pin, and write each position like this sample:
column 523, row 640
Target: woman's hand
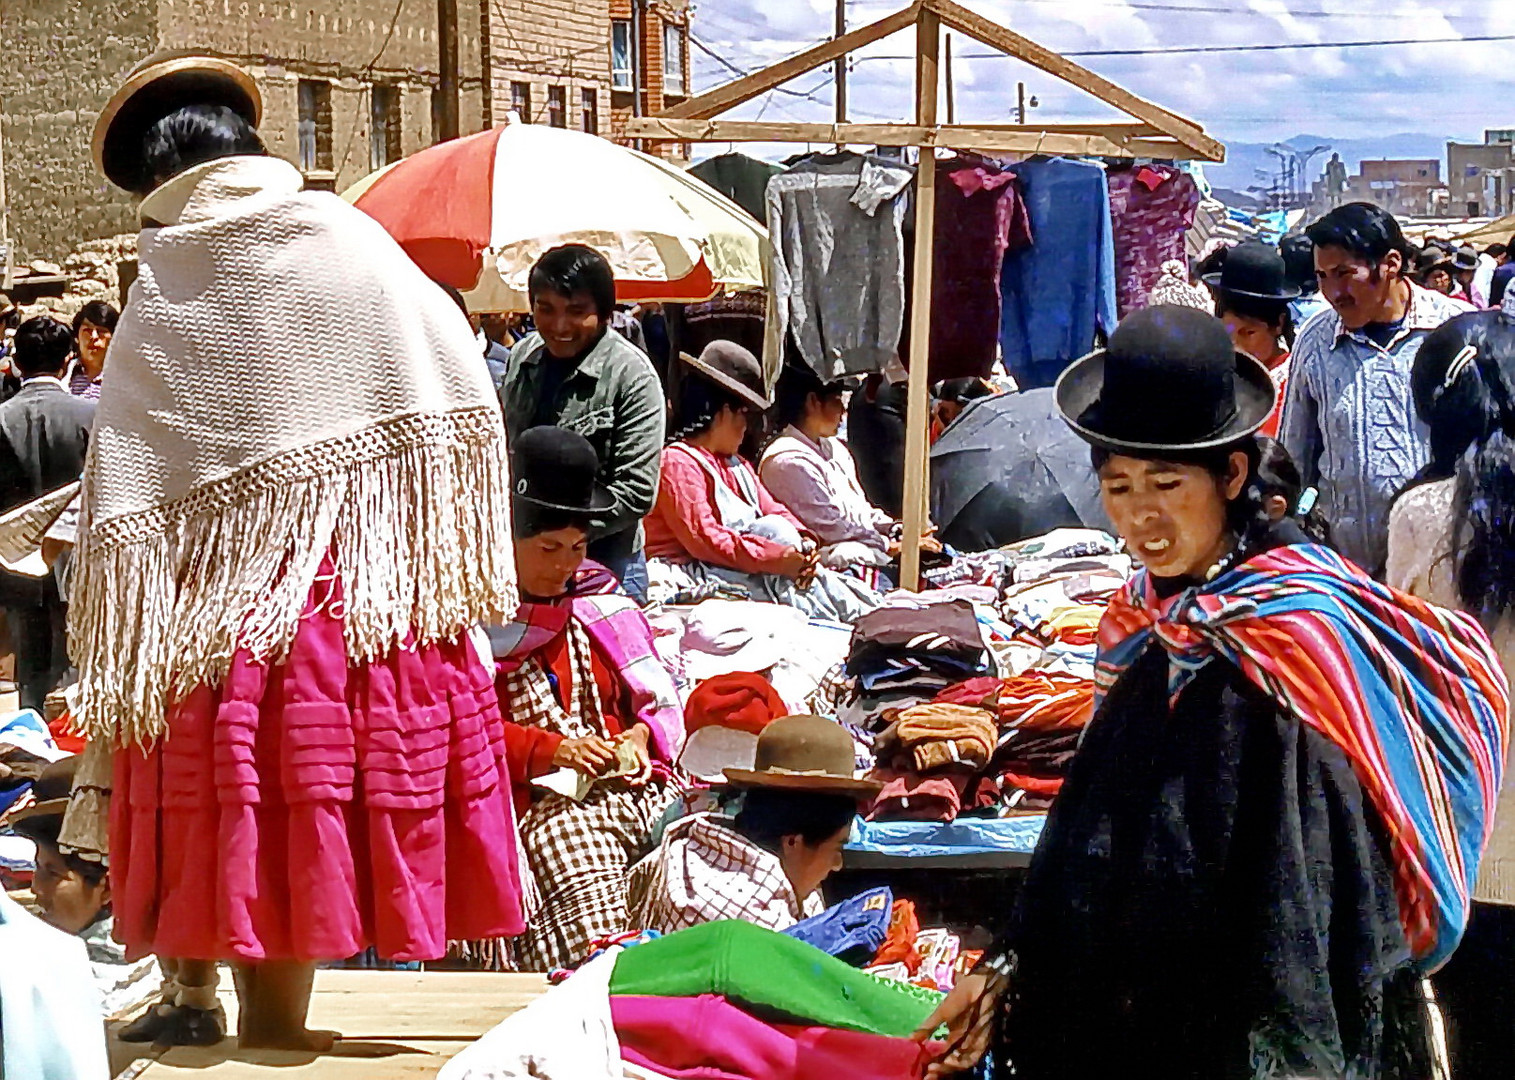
column 591, row 755
column 794, row 563
column 638, row 737
column 968, row 1012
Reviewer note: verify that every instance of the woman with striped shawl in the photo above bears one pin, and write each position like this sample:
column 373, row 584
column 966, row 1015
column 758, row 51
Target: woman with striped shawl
column 586, row 699
column 1269, row 834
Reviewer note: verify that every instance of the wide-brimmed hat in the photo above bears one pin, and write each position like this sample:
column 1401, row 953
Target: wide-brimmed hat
column 1465, row 259
column 1170, row 380
column 1256, row 270
column 156, row 87
column 732, row 368
column 558, row 469
column 805, row 753
column 42, row 821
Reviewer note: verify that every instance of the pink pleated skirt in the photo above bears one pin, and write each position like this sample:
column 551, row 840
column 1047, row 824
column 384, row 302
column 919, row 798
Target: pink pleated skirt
column 310, row 809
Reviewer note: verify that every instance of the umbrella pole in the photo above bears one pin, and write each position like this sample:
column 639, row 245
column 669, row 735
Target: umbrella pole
column 917, row 422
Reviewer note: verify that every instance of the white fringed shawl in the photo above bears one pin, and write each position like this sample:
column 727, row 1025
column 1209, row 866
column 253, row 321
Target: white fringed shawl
column 284, row 384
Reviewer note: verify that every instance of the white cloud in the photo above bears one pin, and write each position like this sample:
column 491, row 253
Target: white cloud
column 1451, row 90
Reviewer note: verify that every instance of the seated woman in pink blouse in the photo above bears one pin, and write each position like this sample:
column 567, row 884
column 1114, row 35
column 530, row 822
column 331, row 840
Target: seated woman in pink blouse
column 714, row 519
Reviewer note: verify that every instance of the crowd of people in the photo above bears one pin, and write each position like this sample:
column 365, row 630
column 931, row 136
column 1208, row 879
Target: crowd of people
column 372, row 669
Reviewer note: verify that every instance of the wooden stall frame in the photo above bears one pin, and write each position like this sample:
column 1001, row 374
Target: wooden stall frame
column 1151, row 131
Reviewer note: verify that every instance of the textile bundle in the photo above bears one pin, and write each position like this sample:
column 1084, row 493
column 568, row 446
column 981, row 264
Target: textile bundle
column 721, row 1000
column 208, row 510
column 1414, row 695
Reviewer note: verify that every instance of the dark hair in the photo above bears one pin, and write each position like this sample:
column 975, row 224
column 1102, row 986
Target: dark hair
column 575, row 268
column 96, row 313
column 192, row 136
column 1470, row 410
column 1274, row 313
column 1364, row 231
column 1246, row 515
column 1494, row 251
column 698, row 404
column 528, row 519
column 1212, row 263
column 962, row 391
column 43, row 345
column 1299, row 262
column 1277, row 474
column 768, row 815
column 796, row 383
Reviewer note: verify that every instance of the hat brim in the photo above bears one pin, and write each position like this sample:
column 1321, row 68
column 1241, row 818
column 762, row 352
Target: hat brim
column 1079, row 387
column 815, row 782
column 41, row 821
column 600, row 501
column 151, row 93
column 1289, row 292
column 721, row 379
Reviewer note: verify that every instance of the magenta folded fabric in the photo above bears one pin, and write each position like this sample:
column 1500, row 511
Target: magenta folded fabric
column 709, row 1038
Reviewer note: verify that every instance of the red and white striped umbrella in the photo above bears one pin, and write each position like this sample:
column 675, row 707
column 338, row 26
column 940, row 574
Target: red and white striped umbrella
column 477, row 212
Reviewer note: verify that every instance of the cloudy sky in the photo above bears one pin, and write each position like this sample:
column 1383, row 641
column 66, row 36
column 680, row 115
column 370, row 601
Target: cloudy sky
column 1452, row 90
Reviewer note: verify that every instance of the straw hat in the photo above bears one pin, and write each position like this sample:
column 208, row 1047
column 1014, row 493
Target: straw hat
column 805, row 753
column 156, row 87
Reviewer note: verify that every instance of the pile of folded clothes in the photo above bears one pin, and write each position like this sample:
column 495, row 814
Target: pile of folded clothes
column 933, row 958
column 723, row 999
column 1058, row 587
column 907, row 651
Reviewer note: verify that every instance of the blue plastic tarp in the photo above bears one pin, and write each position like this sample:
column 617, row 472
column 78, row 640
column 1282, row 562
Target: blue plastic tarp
column 965, row 836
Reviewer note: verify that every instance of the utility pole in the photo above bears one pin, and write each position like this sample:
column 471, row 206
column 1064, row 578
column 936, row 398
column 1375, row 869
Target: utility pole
column 1020, row 103
column 840, row 67
column 448, row 123
column 951, row 101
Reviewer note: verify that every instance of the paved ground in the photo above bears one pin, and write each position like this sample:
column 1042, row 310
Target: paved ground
column 396, row 1024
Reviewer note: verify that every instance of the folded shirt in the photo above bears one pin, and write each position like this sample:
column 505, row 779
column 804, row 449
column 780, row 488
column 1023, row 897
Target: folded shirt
column 911, row 797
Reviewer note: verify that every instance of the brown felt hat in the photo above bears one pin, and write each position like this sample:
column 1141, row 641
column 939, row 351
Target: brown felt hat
column 805, row 753
column 42, row 821
column 732, row 368
column 157, row 86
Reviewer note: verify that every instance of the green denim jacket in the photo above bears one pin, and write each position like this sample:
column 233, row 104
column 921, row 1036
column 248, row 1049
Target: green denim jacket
column 615, row 400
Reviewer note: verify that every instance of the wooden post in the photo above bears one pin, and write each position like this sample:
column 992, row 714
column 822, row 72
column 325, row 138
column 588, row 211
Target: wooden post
column 840, row 70
column 947, row 73
column 448, row 121
column 917, row 418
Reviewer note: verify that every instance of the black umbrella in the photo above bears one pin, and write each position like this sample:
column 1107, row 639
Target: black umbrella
column 1008, row 468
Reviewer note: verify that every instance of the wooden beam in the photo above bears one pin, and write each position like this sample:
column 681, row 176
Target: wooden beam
column 729, row 95
column 985, row 138
column 916, row 501
column 992, row 34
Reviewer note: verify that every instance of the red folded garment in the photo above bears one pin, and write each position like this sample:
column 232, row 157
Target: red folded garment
column 899, row 943
column 708, row 1038
column 912, row 797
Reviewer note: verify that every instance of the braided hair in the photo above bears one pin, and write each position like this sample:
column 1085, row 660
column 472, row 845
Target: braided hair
column 1463, row 384
column 699, row 402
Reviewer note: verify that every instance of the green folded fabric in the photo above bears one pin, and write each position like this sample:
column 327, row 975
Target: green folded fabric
column 773, row 976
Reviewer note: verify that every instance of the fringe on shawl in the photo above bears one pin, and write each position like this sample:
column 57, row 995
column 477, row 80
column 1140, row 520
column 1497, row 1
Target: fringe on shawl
column 414, row 512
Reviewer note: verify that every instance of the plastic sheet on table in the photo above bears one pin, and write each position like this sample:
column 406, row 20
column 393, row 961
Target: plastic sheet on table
column 930, row 839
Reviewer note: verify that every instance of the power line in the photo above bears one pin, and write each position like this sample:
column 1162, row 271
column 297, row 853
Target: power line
column 1174, row 50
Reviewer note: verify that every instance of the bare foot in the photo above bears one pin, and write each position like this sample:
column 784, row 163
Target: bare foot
column 304, row 1040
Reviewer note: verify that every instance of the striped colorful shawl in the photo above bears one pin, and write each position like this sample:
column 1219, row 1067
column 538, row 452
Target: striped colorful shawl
column 623, row 638
column 1413, row 694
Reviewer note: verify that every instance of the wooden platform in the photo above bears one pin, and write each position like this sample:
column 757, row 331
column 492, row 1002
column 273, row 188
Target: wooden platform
column 395, row 1024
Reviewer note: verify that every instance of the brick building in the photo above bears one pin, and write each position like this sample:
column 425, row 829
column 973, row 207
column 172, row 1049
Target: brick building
column 1480, row 176
column 650, row 69
column 348, row 85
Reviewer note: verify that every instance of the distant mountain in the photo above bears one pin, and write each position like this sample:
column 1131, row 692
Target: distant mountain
column 1243, row 159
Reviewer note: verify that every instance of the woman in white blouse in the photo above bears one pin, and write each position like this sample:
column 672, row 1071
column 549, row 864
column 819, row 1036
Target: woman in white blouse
column 1452, row 541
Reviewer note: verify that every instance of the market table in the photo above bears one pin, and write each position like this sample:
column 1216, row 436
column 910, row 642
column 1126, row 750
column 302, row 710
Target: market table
column 961, row 874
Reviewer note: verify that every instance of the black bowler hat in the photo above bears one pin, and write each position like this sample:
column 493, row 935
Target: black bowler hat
column 557, row 469
column 1169, row 380
column 1254, row 269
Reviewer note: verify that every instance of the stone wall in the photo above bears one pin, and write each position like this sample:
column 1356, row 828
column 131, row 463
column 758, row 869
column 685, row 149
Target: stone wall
column 63, row 58
column 59, row 61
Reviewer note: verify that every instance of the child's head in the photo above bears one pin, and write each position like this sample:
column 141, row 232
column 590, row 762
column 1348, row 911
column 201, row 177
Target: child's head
column 1279, row 479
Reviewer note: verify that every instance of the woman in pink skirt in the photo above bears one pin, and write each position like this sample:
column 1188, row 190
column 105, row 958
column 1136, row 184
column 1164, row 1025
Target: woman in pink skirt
column 296, row 508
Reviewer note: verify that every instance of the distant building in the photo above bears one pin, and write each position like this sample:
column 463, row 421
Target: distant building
column 1408, row 187
column 649, row 57
column 1480, row 175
